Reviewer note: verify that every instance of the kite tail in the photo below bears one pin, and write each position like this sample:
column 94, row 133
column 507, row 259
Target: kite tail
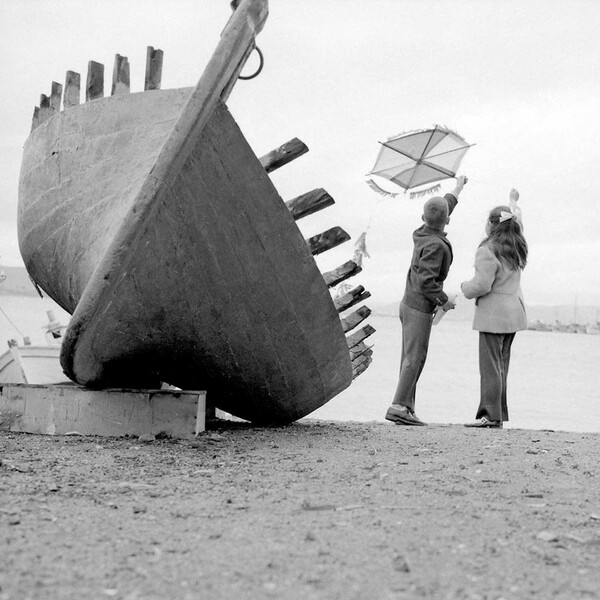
column 378, row 189
column 421, row 193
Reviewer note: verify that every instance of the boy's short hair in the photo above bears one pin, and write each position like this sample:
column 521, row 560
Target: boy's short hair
column 435, row 212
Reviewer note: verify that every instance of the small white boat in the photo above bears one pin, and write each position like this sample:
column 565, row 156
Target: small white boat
column 31, row 364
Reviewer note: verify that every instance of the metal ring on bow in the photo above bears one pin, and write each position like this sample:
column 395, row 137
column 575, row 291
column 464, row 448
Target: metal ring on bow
column 260, row 66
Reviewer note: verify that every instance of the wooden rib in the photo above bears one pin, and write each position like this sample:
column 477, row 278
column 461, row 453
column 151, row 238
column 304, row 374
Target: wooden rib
column 359, row 360
column 56, row 96
column 360, row 335
column 35, row 121
column 355, row 318
column 356, row 371
column 360, row 348
column 327, row 239
column 339, row 274
column 283, row 155
column 154, row 61
column 45, row 111
column 354, row 296
column 94, row 87
column 72, row 89
column 120, row 80
column 309, row 203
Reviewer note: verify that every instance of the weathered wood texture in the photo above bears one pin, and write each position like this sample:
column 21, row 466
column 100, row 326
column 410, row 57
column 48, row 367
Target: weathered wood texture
column 35, row 121
column 283, row 155
column 94, row 87
column 309, row 203
column 326, row 240
column 359, row 360
column 69, row 409
column 56, row 96
column 360, row 335
column 355, row 318
column 120, row 80
column 341, row 273
column 165, row 317
column 72, row 89
column 154, row 62
column 46, row 110
column 360, row 349
column 361, row 368
column 354, row 296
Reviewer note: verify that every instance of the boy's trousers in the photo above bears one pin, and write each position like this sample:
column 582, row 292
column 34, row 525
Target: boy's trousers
column 416, row 330
column 494, row 359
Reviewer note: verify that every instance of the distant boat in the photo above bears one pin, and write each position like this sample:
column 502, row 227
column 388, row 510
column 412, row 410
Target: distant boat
column 31, row 364
column 149, row 218
column 593, row 329
column 35, row 364
column 539, row 326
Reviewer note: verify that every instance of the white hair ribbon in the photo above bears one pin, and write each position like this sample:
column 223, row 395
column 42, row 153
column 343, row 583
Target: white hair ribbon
column 505, row 216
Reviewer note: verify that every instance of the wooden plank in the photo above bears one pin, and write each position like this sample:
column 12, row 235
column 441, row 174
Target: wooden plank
column 46, row 110
column 360, row 335
column 359, row 360
column 35, row 120
column 309, row 203
column 360, row 348
column 326, row 240
column 154, row 62
column 72, row 89
column 354, row 296
column 56, row 96
column 356, row 371
column 94, row 87
column 341, row 273
column 120, row 80
column 283, row 155
column 64, row 409
column 355, row 318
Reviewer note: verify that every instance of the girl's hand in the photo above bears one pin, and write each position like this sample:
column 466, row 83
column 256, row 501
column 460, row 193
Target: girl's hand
column 514, row 195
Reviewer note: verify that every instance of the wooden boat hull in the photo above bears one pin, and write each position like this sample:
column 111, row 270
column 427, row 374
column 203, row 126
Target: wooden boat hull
column 149, row 218
column 213, row 287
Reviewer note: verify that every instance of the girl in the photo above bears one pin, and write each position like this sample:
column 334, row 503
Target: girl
column 499, row 306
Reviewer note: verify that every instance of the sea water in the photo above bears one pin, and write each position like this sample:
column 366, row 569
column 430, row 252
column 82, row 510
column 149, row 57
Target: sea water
column 553, row 383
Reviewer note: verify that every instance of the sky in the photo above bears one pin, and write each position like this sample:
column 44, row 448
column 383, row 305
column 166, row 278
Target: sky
column 516, row 78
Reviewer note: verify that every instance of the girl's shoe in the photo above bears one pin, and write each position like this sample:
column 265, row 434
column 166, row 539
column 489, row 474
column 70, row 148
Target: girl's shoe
column 485, row 422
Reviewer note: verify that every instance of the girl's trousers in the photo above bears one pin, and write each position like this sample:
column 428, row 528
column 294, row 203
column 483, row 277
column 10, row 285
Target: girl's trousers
column 494, row 359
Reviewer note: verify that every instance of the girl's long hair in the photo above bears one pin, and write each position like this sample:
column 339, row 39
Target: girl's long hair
column 505, row 239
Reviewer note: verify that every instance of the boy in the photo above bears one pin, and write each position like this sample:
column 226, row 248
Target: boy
column 429, row 266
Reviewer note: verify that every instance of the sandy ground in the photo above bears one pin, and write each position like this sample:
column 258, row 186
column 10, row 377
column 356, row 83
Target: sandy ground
column 313, row 510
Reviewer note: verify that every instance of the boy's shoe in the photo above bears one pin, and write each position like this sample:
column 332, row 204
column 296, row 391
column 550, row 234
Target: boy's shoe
column 485, row 422
column 402, row 415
